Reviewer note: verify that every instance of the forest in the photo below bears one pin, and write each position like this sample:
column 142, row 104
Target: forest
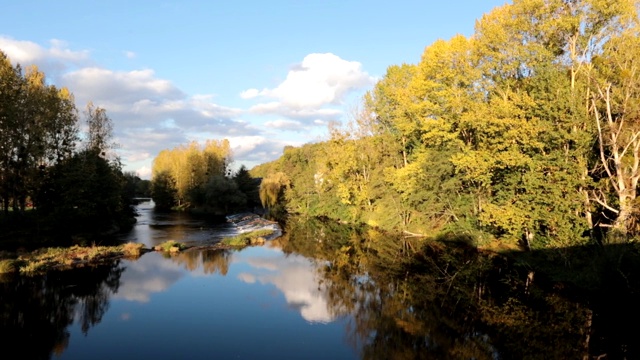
column 525, row 134
column 57, row 182
column 198, row 178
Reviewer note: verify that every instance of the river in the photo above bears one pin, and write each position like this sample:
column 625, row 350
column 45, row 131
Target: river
column 321, row 291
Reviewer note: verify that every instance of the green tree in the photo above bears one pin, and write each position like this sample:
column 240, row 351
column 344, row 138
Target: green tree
column 163, row 191
column 248, row 186
column 85, row 190
column 37, row 129
column 223, row 195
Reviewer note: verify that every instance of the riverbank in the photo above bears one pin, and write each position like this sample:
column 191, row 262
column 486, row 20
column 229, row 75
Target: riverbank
column 57, row 258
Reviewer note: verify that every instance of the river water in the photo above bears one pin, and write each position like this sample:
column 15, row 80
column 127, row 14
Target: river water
column 322, row 291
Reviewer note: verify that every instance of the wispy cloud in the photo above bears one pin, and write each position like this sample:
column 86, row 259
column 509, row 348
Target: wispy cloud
column 291, row 125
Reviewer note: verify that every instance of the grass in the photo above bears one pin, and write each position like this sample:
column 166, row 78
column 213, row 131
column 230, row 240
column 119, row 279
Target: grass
column 246, row 239
column 132, row 249
column 170, row 246
column 42, row 260
column 7, row 266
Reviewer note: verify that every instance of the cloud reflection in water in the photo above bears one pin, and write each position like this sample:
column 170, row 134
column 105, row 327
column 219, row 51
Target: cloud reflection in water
column 294, row 275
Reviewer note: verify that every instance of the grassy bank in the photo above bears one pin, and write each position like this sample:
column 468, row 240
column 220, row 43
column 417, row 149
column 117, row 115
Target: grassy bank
column 45, row 259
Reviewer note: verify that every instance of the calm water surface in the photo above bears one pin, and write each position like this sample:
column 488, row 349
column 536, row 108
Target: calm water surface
column 258, row 303
column 321, row 291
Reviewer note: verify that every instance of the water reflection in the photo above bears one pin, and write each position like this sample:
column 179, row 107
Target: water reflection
column 321, row 291
column 296, row 276
column 154, row 227
column 146, row 276
column 37, row 311
column 451, row 302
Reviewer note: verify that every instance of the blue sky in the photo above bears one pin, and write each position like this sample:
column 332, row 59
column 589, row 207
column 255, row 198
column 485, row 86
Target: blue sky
column 263, row 74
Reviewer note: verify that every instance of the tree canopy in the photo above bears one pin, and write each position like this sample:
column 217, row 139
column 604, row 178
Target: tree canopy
column 44, row 167
column 524, row 133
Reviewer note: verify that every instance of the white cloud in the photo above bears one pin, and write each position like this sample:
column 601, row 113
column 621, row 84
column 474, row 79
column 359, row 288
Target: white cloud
column 285, row 125
column 303, row 114
column 311, row 92
column 150, row 113
column 249, row 94
column 129, row 54
column 52, row 60
column 254, row 150
column 319, row 80
column 144, row 172
column 139, row 156
column 120, row 88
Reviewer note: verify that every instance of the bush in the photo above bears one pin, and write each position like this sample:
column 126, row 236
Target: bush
column 250, row 238
column 132, row 249
column 170, row 246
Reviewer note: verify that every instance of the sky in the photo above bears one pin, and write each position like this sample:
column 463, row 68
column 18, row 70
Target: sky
column 262, row 74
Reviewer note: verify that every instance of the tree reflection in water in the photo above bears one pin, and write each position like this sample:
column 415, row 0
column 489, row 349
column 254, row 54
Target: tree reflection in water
column 36, row 311
column 213, row 261
column 443, row 299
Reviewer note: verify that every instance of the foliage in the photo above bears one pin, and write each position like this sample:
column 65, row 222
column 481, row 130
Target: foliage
column 248, row 186
column 87, row 190
column 272, row 190
column 46, row 259
column 38, row 129
column 193, row 165
column 223, row 194
column 7, row 266
column 250, row 238
column 525, row 132
column 195, row 177
column 163, row 191
column 132, row 249
column 42, row 171
column 170, row 246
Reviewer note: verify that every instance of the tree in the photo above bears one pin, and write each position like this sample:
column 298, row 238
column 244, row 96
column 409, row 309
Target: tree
column 390, row 102
column 248, row 186
column 272, row 192
column 223, row 195
column 100, row 130
column 88, row 191
column 163, row 191
column 38, row 128
column 616, row 111
column 192, row 166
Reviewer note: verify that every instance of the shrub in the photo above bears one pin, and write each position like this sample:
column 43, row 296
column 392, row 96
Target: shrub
column 132, row 249
column 250, row 238
column 170, row 246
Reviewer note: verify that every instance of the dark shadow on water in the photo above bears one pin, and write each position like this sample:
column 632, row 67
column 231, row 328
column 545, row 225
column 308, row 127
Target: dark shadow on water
column 36, row 311
column 443, row 298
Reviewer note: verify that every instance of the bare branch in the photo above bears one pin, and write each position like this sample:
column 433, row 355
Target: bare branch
column 631, row 142
column 603, row 202
column 601, row 144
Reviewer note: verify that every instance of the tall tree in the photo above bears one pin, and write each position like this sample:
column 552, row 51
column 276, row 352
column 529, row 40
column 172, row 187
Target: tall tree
column 100, row 130
column 38, row 128
column 616, row 111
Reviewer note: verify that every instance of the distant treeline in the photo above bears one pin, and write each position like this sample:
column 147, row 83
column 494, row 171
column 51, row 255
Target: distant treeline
column 54, row 182
column 198, row 177
column 526, row 132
